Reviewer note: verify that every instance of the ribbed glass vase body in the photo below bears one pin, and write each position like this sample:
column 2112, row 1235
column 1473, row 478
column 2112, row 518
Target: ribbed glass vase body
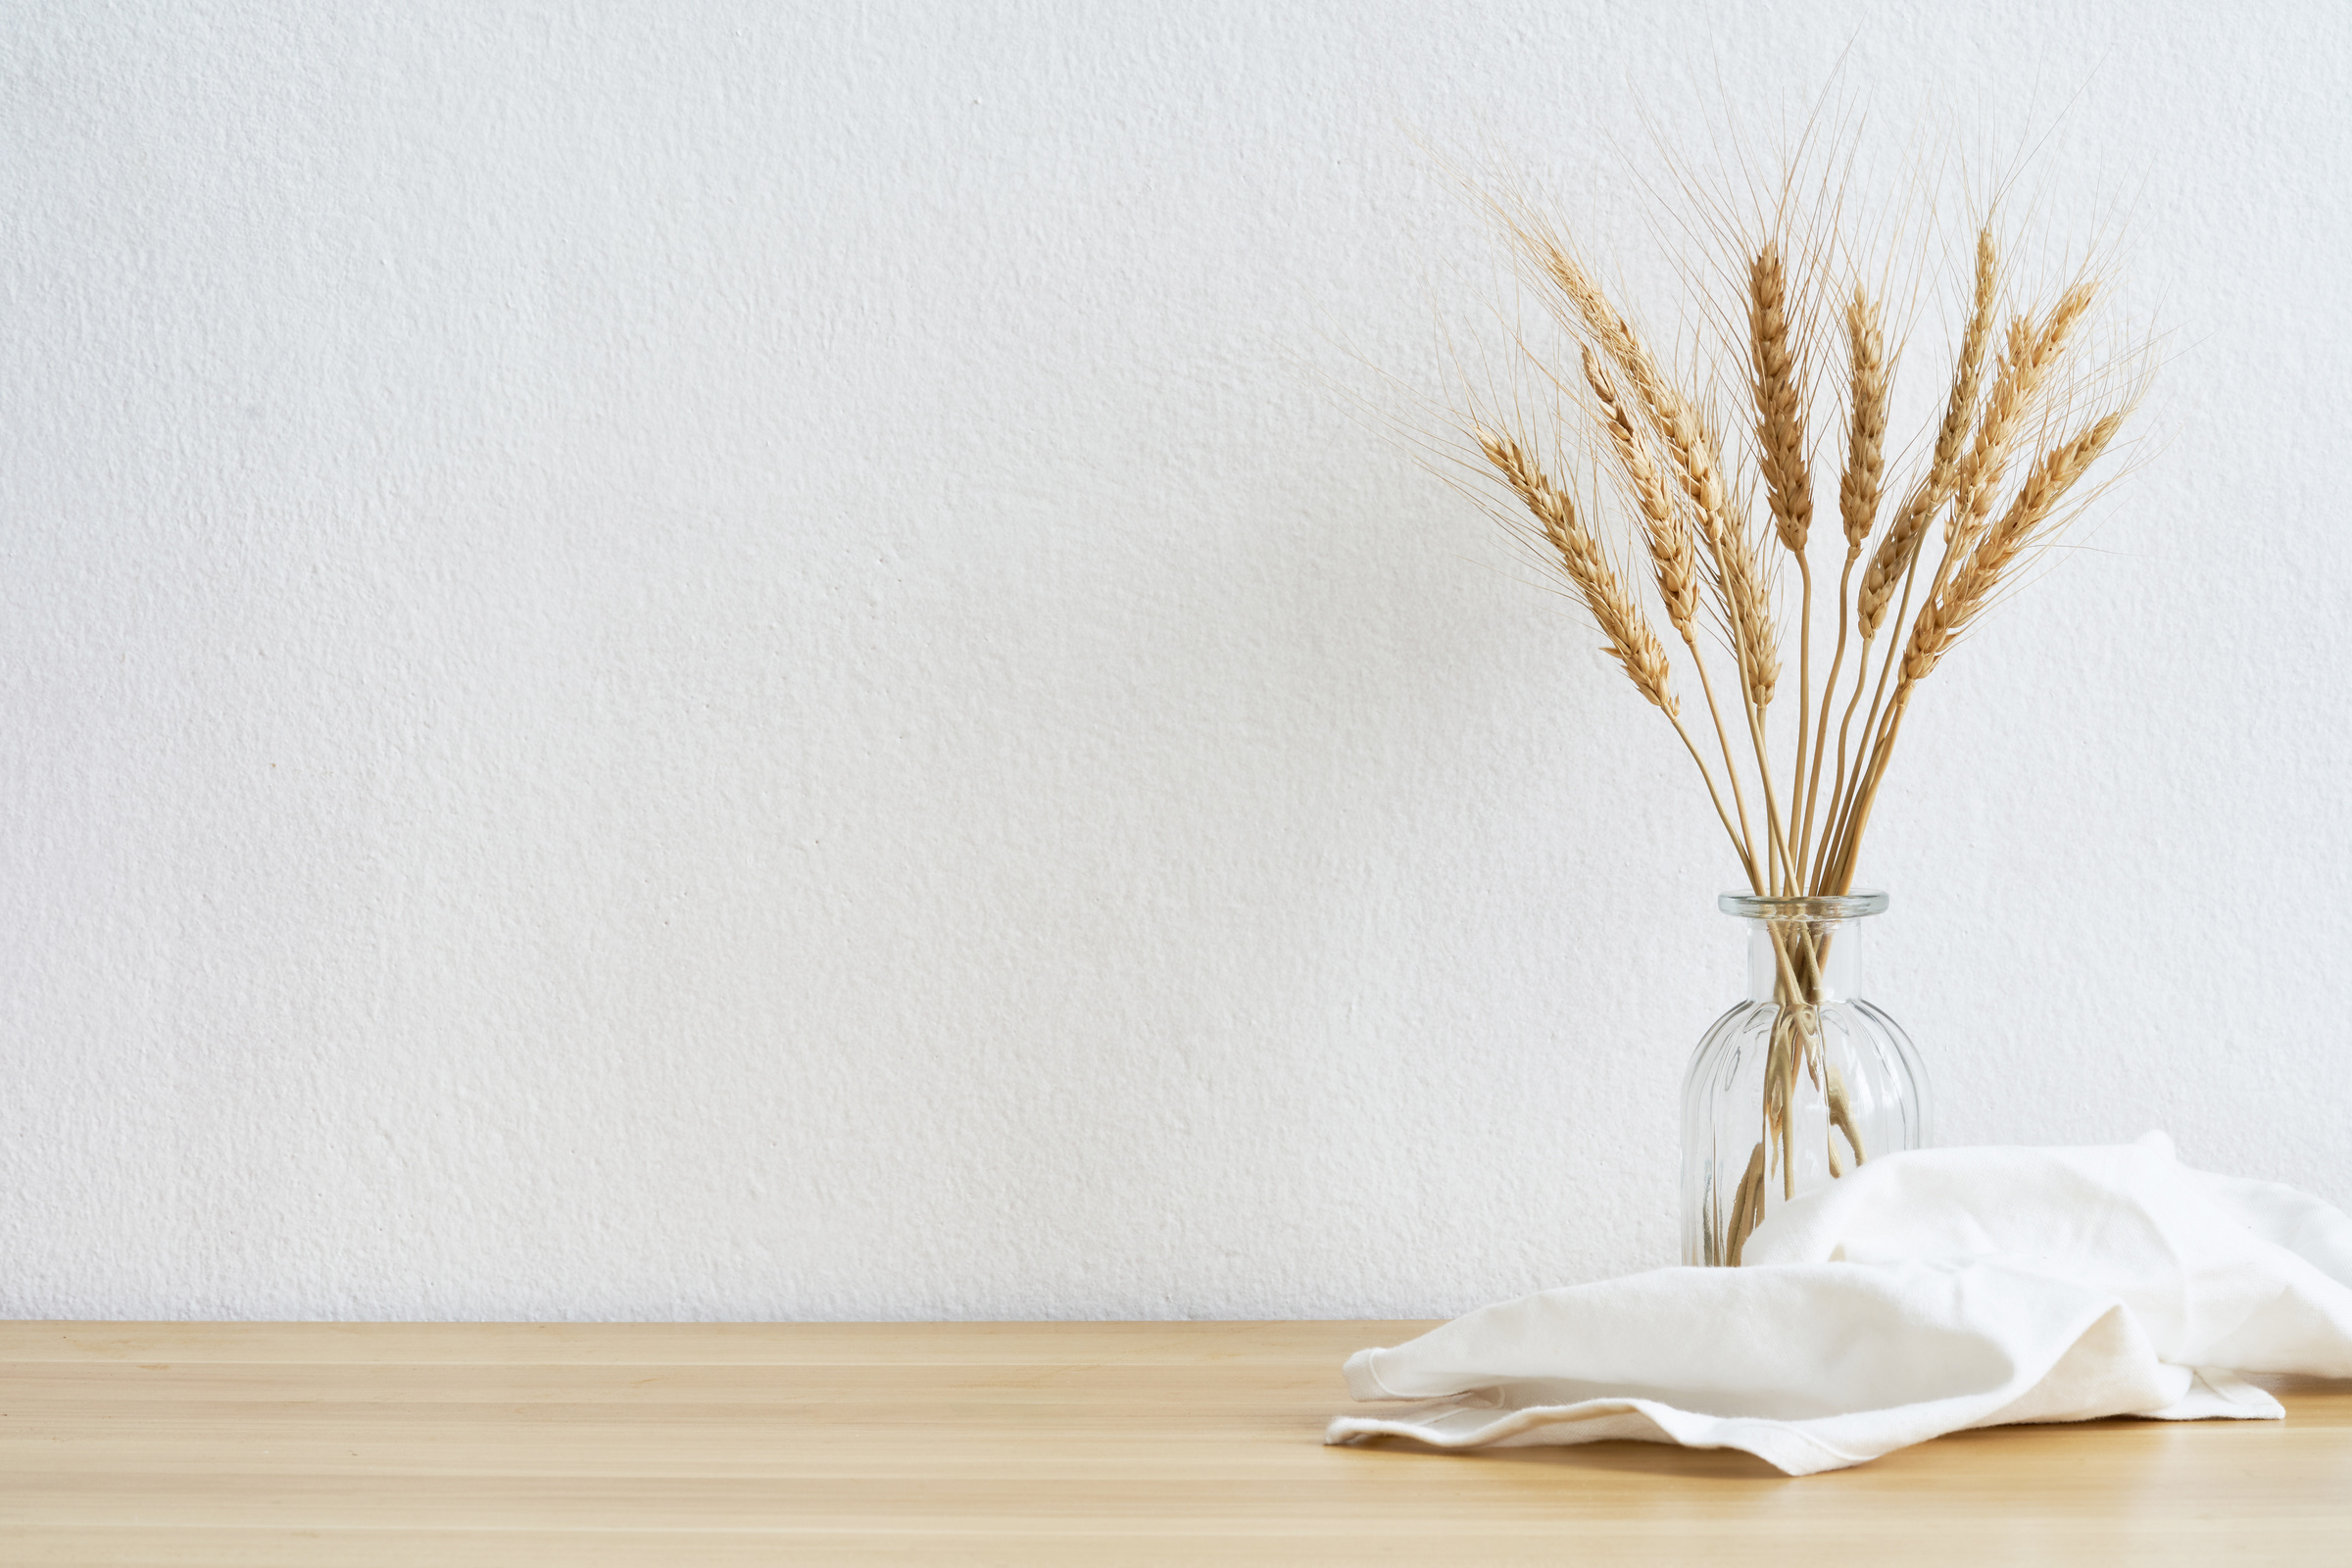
column 1796, row 1085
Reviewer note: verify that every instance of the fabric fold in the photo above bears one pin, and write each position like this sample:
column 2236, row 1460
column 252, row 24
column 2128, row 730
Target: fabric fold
column 1921, row 1293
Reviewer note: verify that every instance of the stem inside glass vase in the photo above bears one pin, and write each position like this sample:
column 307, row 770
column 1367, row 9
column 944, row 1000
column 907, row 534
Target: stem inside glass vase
column 1799, row 1084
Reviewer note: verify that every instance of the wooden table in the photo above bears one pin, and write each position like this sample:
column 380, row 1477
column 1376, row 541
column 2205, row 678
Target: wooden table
column 446, row 1445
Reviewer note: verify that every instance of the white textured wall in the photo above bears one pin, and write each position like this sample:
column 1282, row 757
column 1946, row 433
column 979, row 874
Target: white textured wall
column 732, row 661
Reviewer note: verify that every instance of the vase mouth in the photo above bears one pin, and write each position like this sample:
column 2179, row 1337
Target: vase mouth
column 1809, row 907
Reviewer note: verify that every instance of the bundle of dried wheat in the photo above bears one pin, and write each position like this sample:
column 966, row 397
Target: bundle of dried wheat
column 1717, row 558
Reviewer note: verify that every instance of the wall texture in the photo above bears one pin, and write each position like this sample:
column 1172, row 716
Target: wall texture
column 728, row 660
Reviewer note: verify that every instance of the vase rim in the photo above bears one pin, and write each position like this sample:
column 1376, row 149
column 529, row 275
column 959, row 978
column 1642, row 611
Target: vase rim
column 1810, row 906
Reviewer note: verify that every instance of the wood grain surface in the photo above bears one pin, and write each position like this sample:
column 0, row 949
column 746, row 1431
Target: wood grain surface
column 455, row 1444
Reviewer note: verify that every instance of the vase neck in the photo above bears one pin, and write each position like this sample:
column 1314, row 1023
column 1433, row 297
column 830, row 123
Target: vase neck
column 1802, row 947
column 1803, row 961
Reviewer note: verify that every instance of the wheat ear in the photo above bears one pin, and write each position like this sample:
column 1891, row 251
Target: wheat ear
column 1663, row 526
column 1944, row 619
column 1779, row 420
column 1866, row 430
column 1629, row 638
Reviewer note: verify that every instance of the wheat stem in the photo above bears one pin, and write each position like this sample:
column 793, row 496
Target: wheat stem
column 1830, row 829
column 1867, row 793
column 1829, row 691
column 1731, row 769
column 1804, row 698
column 1778, row 847
column 1748, row 860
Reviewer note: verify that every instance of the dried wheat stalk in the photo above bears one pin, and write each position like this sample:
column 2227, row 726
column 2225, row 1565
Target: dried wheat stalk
column 1858, row 510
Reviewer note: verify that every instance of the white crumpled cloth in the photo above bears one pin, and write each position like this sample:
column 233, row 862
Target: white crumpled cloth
column 1919, row 1295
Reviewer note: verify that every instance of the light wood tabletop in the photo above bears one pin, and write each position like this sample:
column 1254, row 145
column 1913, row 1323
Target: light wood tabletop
column 455, row 1445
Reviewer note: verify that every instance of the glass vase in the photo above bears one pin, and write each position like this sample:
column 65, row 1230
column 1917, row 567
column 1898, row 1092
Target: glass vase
column 1798, row 1084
